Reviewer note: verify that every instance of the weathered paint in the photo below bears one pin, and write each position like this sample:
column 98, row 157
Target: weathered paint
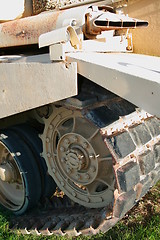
column 27, row 30
column 27, row 84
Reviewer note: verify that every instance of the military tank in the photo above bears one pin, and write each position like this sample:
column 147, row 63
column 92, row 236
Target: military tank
column 80, row 128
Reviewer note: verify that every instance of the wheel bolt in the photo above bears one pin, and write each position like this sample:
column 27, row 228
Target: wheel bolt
column 68, row 170
column 66, row 141
column 87, row 176
column 91, row 157
column 18, row 154
column 85, row 145
column 75, row 139
column 93, row 169
column 62, row 159
column 62, row 149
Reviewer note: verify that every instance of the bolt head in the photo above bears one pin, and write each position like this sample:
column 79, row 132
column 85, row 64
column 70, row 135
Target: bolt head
column 18, row 154
column 91, row 157
column 87, row 176
column 67, row 141
column 93, row 169
column 85, row 145
column 74, row 23
column 62, row 149
column 68, row 170
column 62, row 159
column 75, row 139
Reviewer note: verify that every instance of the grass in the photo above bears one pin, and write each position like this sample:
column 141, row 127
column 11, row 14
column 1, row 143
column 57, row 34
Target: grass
column 141, row 223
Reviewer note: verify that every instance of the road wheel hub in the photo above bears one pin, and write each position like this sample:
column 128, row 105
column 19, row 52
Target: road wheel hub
column 77, row 159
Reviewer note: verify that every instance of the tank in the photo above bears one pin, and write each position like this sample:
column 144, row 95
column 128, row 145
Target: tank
column 79, row 119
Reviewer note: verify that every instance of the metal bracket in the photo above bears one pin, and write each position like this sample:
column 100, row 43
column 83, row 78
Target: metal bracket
column 58, row 40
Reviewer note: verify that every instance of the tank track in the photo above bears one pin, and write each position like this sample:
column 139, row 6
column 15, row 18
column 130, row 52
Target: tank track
column 134, row 142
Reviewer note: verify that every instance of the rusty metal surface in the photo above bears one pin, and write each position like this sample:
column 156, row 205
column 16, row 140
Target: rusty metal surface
column 27, row 30
column 89, row 20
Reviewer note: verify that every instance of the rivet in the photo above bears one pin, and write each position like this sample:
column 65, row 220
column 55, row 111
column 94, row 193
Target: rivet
column 18, row 154
column 47, row 140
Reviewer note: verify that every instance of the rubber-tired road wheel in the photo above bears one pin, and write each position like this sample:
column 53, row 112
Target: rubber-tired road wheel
column 20, row 181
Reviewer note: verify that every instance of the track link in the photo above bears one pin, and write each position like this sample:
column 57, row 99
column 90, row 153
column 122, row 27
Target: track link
column 134, row 142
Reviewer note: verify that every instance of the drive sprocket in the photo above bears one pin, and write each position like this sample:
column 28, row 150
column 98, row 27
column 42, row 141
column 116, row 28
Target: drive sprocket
column 78, row 159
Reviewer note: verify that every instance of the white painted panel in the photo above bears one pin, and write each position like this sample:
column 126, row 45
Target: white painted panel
column 25, row 86
column 133, row 77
